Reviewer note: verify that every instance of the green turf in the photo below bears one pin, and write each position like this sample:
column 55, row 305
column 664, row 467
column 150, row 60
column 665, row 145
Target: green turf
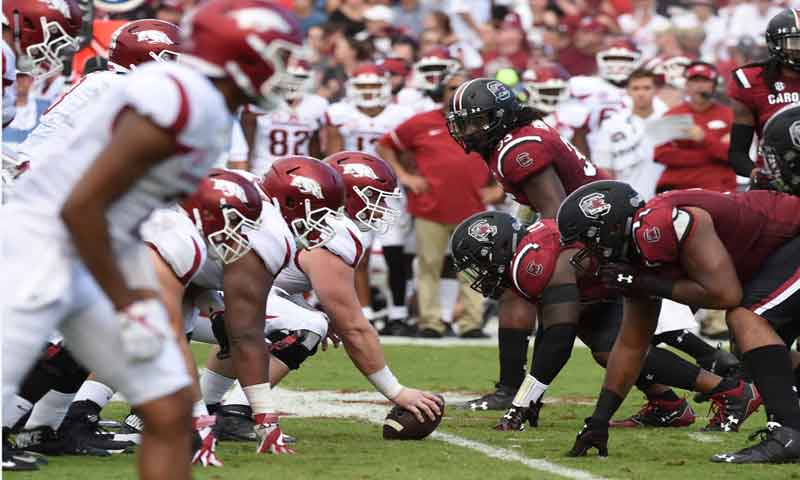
column 352, row 449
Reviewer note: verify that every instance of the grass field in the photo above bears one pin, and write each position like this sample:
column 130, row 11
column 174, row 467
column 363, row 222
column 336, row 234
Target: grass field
column 332, row 446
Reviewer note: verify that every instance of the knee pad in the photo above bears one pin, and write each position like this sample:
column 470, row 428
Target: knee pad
column 293, row 347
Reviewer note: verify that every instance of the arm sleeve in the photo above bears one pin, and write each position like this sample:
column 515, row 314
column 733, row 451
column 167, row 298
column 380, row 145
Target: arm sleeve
column 739, row 149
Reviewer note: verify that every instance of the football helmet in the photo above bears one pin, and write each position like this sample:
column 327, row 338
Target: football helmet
column 369, row 87
column 617, row 61
column 482, row 111
column 370, row 184
column 781, row 149
column 249, row 41
column 225, row 207
column 483, row 246
column 600, row 215
column 307, row 192
column 669, row 70
column 142, row 41
column 44, row 31
column 298, row 80
column 432, row 67
column 546, row 86
column 783, row 38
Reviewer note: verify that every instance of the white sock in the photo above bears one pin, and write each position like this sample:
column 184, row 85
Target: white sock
column 97, row 392
column 531, row 390
column 199, row 409
column 17, row 408
column 50, row 410
column 214, row 386
column 448, row 296
column 258, row 396
column 398, row 312
column 236, row 396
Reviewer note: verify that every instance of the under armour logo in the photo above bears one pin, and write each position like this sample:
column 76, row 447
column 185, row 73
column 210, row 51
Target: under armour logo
column 624, row 278
column 479, row 406
column 726, row 457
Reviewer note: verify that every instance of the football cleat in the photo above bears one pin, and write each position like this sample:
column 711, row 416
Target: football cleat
column 82, row 426
column 732, row 407
column 515, row 418
column 722, row 363
column 659, row 413
column 132, row 428
column 398, row 328
column 235, row 424
column 778, row 444
column 14, row 459
column 500, row 399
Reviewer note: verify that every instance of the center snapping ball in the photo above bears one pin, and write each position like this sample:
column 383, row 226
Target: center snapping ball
column 400, row 424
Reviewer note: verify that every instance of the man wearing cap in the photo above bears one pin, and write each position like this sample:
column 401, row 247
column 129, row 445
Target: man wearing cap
column 579, row 56
column 700, row 160
column 379, row 29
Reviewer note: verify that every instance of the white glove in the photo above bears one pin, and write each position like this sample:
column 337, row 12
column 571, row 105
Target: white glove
column 145, row 328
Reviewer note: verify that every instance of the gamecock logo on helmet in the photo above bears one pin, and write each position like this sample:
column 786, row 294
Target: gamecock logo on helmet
column 60, row 5
column 230, row 189
column 594, row 206
column 153, row 36
column 359, row 170
column 500, row 91
column 308, row 186
column 260, row 20
column 794, row 133
column 482, row 230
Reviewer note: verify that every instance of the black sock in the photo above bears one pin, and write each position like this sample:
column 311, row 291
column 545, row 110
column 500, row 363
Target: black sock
column 668, row 396
column 396, row 262
column 607, row 405
column 772, row 373
column 687, row 342
column 726, row 383
column 56, row 370
column 665, row 367
column 553, row 352
column 513, row 346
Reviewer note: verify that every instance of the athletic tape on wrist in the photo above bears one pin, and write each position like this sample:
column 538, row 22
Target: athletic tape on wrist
column 385, row 382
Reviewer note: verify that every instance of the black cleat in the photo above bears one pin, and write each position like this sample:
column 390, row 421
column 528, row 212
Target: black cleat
column 722, row 363
column 500, row 399
column 732, row 407
column 659, row 413
column 778, row 444
column 81, row 427
column 515, row 418
column 235, row 424
column 398, row 328
column 14, row 459
column 131, row 430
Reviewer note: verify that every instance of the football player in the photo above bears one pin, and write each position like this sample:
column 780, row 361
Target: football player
column 547, row 88
column 73, row 256
column 780, row 150
column 734, row 251
column 424, row 91
column 499, row 252
column 760, row 89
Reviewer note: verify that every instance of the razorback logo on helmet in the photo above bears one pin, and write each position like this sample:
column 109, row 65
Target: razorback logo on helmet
column 524, row 160
column 652, row 234
column 60, row 5
column 534, row 269
column 230, row 189
column 794, row 133
column 594, row 205
column 359, row 170
column 153, row 36
column 499, row 90
column 260, row 20
column 308, row 186
column 482, row 230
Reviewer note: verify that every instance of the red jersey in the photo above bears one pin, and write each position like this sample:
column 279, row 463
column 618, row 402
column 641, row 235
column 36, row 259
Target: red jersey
column 748, row 86
column 529, row 150
column 535, row 260
column 751, row 225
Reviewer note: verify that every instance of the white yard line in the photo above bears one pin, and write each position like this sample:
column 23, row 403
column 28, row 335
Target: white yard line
column 704, row 437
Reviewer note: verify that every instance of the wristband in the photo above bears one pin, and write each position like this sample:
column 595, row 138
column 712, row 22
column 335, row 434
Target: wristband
column 607, row 404
column 385, row 382
column 656, row 286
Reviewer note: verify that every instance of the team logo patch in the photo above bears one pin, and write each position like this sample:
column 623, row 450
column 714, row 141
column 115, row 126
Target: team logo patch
column 652, row 234
column 230, row 189
column 153, row 36
column 482, row 230
column 594, row 205
column 794, row 133
column 260, row 20
column 500, row 91
column 308, row 186
column 780, row 86
column 534, row 269
column 524, row 160
column 359, row 170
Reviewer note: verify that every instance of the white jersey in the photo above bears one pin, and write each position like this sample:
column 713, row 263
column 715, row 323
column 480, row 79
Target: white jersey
column 359, row 131
column 349, row 244
column 59, row 121
column 287, row 132
column 592, row 101
column 176, row 98
column 415, row 99
column 9, row 84
column 171, row 234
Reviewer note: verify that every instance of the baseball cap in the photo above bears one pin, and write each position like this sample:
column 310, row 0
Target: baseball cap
column 702, row 70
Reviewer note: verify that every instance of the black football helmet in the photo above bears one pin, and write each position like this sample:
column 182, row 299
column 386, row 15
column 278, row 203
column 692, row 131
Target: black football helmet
column 599, row 215
column 482, row 111
column 783, row 38
column 781, row 148
column 482, row 248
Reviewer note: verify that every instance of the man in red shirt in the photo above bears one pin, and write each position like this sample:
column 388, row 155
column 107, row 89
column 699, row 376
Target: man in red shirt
column 701, row 160
column 444, row 186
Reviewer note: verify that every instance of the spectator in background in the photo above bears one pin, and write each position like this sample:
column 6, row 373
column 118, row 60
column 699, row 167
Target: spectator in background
column 642, row 24
column 466, row 16
column 580, row 56
column 350, row 13
column 347, row 54
column 171, row 11
column 511, row 48
column 406, row 48
column 439, row 169
column 701, row 160
column 741, row 51
column 439, row 22
column 751, row 18
column 379, row 30
column 308, row 15
column 409, row 15
column 691, row 41
column 555, row 35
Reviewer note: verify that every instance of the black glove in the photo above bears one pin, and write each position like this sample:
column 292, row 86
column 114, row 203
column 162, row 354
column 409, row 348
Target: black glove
column 593, row 434
column 218, row 329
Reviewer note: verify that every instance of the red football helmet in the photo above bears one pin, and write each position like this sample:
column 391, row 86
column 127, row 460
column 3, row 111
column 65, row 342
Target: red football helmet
column 369, row 86
column 308, row 193
column 370, row 182
column 44, row 32
column 546, row 85
column 618, row 60
column 142, row 41
column 224, row 208
column 297, row 81
column 432, row 67
column 250, row 41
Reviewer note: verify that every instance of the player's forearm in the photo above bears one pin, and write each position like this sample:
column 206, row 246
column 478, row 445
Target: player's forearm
column 623, row 368
column 690, row 292
column 364, row 348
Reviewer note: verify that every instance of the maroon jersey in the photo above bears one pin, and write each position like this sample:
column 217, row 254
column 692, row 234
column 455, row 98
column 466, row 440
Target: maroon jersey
column 751, row 225
column 535, row 260
column 749, row 87
column 529, row 150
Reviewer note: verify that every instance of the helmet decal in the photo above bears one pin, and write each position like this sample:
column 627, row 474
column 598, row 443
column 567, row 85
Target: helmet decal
column 594, row 205
column 499, row 90
column 482, row 230
column 153, row 36
column 308, row 186
column 359, row 170
column 229, row 188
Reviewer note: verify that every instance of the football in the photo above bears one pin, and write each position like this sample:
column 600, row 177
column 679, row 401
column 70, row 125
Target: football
column 400, row 424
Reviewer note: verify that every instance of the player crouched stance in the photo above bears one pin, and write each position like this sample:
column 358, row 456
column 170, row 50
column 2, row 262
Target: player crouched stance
column 499, row 252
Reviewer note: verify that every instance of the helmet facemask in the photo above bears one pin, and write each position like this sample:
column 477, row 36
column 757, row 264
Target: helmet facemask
column 231, row 242
column 616, row 67
column 46, row 57
column 313, row 230
column 475, row 132
column 368, row 93
column 376, row 215
column 546, row 96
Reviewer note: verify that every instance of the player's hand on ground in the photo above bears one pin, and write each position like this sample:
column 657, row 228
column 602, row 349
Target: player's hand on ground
column 424, row 405
column 333, row 338
column 594, row 434
column 270, row 436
